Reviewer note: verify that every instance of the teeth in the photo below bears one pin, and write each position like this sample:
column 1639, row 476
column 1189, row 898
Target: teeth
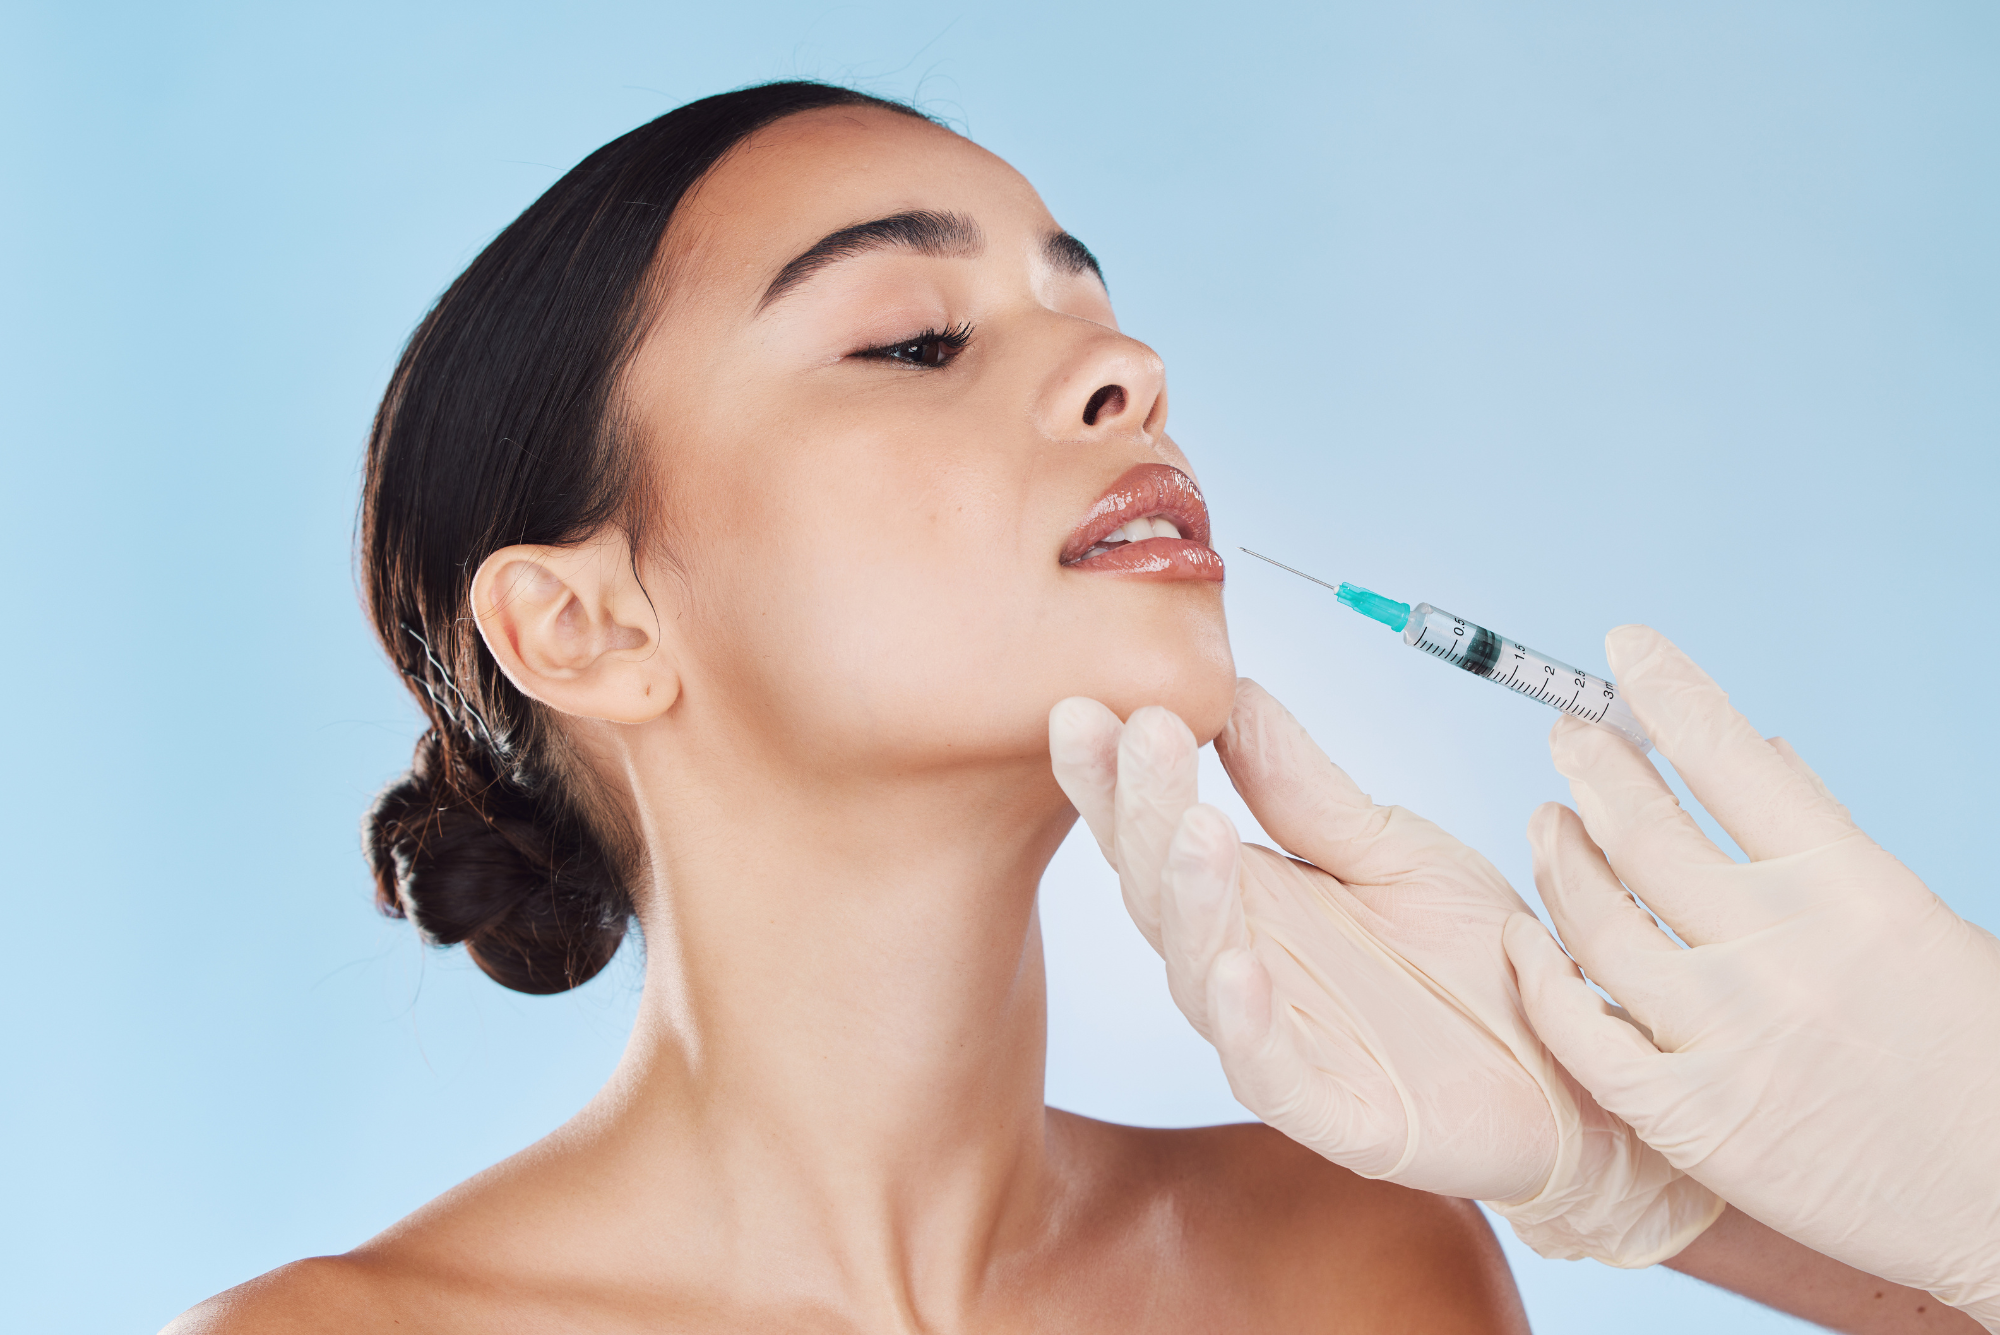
column 1134, row 530
column 1138, row 530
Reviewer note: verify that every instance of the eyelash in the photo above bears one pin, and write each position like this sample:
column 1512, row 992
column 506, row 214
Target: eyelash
column 948, row 342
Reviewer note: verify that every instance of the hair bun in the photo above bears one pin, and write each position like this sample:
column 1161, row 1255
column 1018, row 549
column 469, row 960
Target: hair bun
column 528, row 891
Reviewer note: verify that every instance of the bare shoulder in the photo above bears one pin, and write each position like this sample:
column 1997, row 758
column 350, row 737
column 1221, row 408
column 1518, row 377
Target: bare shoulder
column 1308, row 1245
column 322, row 1294
column 390, row 1285
column 459, row 1263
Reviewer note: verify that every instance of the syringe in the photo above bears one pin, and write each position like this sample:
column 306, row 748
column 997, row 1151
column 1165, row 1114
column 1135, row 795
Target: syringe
column 1498, row 659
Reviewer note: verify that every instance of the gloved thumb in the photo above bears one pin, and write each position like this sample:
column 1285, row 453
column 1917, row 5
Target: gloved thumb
column 1302, row 799
column 1317, row 813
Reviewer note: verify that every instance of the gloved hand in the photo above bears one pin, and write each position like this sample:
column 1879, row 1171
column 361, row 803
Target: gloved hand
column 1359, row 997
column 1826, row 1054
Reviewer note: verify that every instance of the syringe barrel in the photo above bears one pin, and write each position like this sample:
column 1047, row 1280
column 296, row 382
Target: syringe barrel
column 1520, row 669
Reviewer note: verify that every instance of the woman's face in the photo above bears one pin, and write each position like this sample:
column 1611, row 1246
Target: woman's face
column 896, row 472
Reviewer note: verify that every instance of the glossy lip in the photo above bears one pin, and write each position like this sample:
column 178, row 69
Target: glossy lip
column 1144, row 491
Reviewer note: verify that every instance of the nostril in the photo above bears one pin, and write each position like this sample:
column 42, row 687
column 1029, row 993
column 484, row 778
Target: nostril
column 1111, row 398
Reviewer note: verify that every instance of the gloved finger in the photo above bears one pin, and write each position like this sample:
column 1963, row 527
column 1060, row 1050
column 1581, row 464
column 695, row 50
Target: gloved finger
column 1302, row 799
column 1338, row 1101
column 1797, row 762
column 1604, row 1053
column 1245, row 1037
column 1156, row 783
column 1083, row 752
column 1240, row 1000
column 1604, row 928
column 1650, row 841
column 1201, row 910
column 1767, row 806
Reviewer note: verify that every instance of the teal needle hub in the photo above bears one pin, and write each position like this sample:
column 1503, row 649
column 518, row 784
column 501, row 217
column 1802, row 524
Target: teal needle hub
column 1374, row 606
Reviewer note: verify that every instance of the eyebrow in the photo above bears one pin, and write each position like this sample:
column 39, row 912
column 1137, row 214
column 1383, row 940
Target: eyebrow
column 1070, row 255
column 942, row 235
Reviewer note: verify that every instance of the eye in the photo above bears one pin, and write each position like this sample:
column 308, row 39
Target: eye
column 933, row 347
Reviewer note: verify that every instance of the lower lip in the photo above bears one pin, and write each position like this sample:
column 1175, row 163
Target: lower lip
column 1158, row 560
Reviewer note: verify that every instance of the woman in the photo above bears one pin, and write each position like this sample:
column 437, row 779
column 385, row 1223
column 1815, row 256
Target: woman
column 738, row 517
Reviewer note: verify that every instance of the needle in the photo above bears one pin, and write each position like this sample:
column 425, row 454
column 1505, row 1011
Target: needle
column 1282, row 566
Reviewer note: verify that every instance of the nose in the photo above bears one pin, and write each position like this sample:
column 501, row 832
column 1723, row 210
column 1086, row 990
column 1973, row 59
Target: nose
column 1111, row 386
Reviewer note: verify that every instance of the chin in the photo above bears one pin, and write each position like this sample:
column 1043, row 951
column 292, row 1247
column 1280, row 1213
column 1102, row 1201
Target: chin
column 1194, row 676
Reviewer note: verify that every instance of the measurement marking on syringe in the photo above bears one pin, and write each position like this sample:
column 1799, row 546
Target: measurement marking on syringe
column 1475, row 649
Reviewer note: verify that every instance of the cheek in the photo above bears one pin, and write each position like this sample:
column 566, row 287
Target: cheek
column 908, row 661
column 899, row 649
column 857, row 603
column 862, row 605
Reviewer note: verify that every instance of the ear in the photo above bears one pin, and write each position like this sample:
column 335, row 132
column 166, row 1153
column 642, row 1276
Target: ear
column 573, row 628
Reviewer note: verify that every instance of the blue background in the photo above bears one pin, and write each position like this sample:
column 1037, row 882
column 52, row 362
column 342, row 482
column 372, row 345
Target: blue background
column 1558, row 315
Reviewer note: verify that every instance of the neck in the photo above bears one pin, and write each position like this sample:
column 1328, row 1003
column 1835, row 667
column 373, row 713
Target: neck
column 842, row 1034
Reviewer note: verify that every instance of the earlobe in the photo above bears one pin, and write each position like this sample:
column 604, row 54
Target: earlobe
column 572, row 628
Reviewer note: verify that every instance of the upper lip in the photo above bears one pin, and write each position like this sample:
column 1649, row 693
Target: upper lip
column 1142, row 491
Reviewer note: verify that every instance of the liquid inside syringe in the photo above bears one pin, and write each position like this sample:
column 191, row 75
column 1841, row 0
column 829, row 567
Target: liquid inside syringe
column 1498, row 659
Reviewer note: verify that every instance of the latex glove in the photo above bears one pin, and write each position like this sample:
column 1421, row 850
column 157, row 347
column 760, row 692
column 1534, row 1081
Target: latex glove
column 1360, row 998
column 1826, row 1055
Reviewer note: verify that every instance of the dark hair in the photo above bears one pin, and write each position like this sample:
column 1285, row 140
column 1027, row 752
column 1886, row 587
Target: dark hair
column 499, row 427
